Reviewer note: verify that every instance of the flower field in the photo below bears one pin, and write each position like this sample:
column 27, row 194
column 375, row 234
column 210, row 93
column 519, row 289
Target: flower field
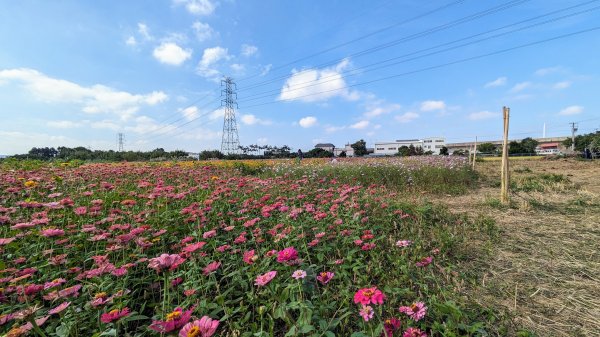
column 197, row 249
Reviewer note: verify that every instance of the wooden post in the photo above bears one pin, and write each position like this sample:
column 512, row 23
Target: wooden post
column 475, row 152
column 505, row 178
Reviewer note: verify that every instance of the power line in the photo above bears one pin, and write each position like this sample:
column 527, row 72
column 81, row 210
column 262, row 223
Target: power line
column 400, row 23
column 436, row 66
column 364, row 69
column 436, row 29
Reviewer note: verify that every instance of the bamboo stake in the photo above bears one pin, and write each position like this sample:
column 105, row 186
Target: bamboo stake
column 505, row 179
column 475, row 153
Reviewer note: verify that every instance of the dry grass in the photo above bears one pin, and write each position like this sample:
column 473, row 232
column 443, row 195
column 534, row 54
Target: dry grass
column 544, row 269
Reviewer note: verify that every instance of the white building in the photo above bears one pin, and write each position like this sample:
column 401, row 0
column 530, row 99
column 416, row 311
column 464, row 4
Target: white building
column 347, row 148
column 433, row 144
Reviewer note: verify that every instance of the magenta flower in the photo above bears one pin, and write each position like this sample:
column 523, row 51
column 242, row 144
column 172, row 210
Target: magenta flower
column 5, row 241
column 369, row 295
column 166, row 262
column 366, row 312
column 325, row 277
column 390, row 326
column 114, row 315
column 288, row 254
column 262, row 280
column 59, row 308
column 416, row 311
column 52, row 232
column 249, row 257
column 204, row 327
column 414, row 332
column 173, row 321
column 209, row 234
column 424, row 261
column 213, row 266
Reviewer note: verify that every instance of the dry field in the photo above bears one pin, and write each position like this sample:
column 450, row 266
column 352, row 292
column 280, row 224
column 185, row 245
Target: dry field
column 543, row 268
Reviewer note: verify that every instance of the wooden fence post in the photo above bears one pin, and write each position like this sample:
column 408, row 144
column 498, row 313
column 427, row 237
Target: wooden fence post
column 475, row 152
column 505, row 177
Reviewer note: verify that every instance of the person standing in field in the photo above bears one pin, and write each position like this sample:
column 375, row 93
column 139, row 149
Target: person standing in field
column 300, row 155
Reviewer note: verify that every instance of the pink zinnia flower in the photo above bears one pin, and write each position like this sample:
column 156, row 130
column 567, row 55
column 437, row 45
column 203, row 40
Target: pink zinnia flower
column 403, row 243
column 424, row 261
column 54, row 283
column 209, row 234
column 325, row 277
column 416, row 311
column 80, row 210
column 369, row 295
column 265, row 278
column 173, row 321
column 211, row 267
column 366, row 312
column 114, row 315
column 52, row 232
column 414, row 332
column 204, row 327
column 249, row 257
column 5, row 241
column 59, row 308
column 298, row 274
column 288, row 254
column 166, row 261
column 194, row 247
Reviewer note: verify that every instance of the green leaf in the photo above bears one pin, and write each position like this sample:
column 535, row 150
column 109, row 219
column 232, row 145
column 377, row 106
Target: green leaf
column 306, row 328
column 111, row 332
column 292, row 332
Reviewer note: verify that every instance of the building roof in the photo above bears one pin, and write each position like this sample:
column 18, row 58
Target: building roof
column 324, row 145
column 543, row 146
column 407, row 140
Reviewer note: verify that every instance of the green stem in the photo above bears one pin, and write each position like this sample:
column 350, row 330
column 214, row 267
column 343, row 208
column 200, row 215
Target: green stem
column 36, row 328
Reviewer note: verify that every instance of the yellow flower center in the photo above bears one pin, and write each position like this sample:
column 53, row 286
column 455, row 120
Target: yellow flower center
column 194, row 332
column 368, row 293
column 414, row 307
column 113, row 312
column 173, row 316
column 100, row 295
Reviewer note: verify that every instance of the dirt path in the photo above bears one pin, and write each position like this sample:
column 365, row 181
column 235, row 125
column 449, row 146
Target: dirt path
column 545, row 266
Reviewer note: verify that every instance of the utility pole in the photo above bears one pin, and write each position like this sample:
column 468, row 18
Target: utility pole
column 120, row 141
column 504, row 174
column 574, row 128
column 230, row 141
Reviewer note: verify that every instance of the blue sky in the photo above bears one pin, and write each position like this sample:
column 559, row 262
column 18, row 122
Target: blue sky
column 79, row 72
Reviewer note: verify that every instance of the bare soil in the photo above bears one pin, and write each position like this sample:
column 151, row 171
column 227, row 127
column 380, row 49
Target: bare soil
column 543, row 269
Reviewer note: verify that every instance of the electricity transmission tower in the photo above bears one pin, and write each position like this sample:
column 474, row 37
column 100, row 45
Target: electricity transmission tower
column 230, row 141
column 120, row 141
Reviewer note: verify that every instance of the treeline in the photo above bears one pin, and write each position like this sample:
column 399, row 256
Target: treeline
column 82, row 153
column 589, row 141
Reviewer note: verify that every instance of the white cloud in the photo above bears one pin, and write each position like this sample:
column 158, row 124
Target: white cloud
column 170, row 53
column 95, row 99
column 407, row 117
column 262, row 141
column 547, row 71
column 131, row 41
column 360, row 125
column 238, row 68
column 433, row 105
column 144, row 31
column 562, row 85
column 500, row 81
column 13, row 142
column 251, row 120
column 105, row 124
column 475, row 116
column 313, row 85
column 249, row 50
column 213, row 55
column 307, row 122
column 198, row 7
column 63, row 124
column 203, row 31
column 520, row 87
column 266, row 69
column 377, row 109
column 571, row 110
column 190, row 113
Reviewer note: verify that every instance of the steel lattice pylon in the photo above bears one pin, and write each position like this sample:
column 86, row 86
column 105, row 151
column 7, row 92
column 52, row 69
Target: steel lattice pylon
column 230, row 142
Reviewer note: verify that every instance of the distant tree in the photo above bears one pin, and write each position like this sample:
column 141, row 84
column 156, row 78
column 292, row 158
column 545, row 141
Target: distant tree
column 318, row 153
column 404, row 151
column 529, row 144
column 515, row 147
column 205, row 155
column 444, row 151
column 582, row 141
column 486, row 148
column 360, row 148
column 459, row 152
column 342, row 154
